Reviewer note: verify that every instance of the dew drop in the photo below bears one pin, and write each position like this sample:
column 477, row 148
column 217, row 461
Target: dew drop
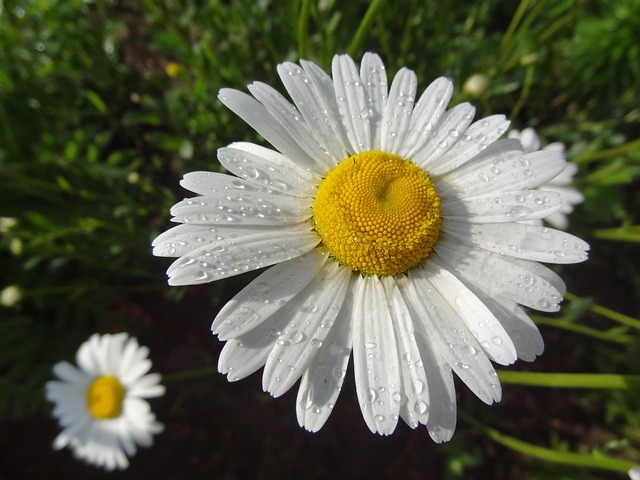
column 201, row 275
column 418, row 386
column 372, row 395
column 297, row 337
column 544, row 303
column 470, row 350
column 420, row 407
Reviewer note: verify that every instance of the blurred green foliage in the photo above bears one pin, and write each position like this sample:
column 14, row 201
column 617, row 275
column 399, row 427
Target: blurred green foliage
column 105, row 104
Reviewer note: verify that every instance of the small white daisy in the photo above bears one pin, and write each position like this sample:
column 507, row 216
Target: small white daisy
column 100, row 405
column 394, row 230
column 560, row 184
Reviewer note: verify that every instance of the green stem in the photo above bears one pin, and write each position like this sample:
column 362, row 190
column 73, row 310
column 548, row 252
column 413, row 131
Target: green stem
column 606, row 312
column 364, row 27
column 570, row 380
column 620, row 234
column 584, row 330
column 189, row 374
column 590, row 157
column 524, row 93
column 303, row 29
column 506, row 38
column 567, row 458
column 71, row 289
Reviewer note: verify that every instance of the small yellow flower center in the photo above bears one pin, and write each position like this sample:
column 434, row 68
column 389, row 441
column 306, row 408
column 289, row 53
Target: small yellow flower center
column 104, row 397
column 378, row 213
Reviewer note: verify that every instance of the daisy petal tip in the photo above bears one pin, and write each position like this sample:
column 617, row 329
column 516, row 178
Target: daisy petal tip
column 441, row 435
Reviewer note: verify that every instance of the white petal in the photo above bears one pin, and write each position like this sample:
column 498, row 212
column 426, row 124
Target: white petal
column 566, row 176
column 447, row 132
column 525, row 282
column 501, row 166
column 67, row 372
column 442, row 412
column 114, row 346
column 547, row 275
column 479, row 319
column 129, row 356
column 570, row 196
column 268, row 169
column 503, row 206
column 558, row 220
column 266, row 294
column 397, row 114
column 374, row 79
column 530, row 242
column 147, row 386
column 244, row 206
column 352, row 102
column 470, row 142
column 242, row 356
column 426, row 115
column 523, row 332
column 322, row 382
column 183, row 239
column 85, row 357
column 101, row 354
column 301, row 88
column 222, row 187
column 234, row 256
column 375, row 357
column 292, row 121
column 138, row 369
column 139, row 417
column 64, row 392
column 125, row 439
column 323, row 85
column 414, row 400
column 257, row 116
column 316, row 309
column 206, row 183
column 452, row 338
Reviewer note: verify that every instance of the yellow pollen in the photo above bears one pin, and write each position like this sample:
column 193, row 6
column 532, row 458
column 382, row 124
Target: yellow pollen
column 104, row 397
column 378, row 213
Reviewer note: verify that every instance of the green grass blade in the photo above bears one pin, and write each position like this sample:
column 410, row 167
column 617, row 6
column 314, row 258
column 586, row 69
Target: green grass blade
column 567, row 458
column 570, row 380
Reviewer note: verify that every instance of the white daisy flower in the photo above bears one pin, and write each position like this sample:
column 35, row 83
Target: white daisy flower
column 100, row 405
column 393, row 228
column 560, row 184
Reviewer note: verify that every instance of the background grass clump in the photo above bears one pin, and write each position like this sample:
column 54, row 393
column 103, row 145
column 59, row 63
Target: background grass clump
column 105, row 104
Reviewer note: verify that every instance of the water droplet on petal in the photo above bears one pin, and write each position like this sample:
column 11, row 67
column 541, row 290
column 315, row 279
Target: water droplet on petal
column 418, row 386
column 372, row 395
column 420, row 407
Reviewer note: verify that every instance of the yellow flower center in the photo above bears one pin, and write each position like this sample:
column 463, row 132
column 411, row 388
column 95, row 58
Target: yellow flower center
column 104, row 397
column 378, row 213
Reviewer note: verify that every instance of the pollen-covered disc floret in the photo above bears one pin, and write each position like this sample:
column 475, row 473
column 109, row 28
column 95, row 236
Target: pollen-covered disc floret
column 105, row 396
column 377, row 213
